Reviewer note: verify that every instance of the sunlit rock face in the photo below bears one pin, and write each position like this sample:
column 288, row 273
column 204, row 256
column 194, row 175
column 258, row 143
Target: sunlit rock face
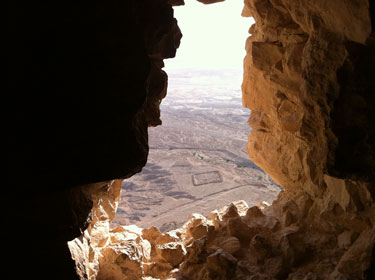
column 306, row 83
column 296, row 58
column 86, row 82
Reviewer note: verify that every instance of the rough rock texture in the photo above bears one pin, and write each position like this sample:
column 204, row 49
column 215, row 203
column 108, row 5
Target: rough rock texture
column 291, row 84
column 295, row 238
column 104, row 198
column 312, row 114
column 286, row 241
column 85, row 82
column 126, row 252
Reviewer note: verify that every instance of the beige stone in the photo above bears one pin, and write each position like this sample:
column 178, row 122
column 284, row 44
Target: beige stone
column 254, row 212
column 173, row 252
column 221, row 265
column 229, row 244
column 239, row 229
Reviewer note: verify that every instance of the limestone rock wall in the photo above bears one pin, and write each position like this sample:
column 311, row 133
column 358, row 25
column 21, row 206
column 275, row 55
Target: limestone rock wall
column 306, row 133
column 294, row 56
column 84, row 249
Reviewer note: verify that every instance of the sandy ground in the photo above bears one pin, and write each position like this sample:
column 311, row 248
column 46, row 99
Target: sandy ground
column 197, row 160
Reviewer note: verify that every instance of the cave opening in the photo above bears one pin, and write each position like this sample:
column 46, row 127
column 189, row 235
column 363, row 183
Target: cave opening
column 197, row 160
column 83, row 97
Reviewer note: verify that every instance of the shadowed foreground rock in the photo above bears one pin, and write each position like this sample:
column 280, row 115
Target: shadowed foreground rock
column 85, row 83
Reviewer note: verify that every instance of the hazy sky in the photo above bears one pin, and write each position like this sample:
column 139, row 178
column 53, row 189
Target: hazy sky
column 213, row 35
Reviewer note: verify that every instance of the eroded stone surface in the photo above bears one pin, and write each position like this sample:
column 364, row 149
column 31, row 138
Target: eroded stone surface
column 337, row 245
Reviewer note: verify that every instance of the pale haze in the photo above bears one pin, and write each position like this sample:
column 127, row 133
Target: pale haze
column 214, row 36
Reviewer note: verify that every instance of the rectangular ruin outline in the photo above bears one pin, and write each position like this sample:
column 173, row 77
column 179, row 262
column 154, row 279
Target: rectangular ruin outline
column 216, row 172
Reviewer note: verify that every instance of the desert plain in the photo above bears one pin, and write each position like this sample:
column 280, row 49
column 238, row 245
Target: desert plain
column 197, row 160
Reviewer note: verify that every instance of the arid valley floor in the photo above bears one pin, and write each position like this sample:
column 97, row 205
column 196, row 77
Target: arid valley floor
column 198, row 160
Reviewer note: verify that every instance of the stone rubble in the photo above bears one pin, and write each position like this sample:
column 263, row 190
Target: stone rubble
column 240, row 242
